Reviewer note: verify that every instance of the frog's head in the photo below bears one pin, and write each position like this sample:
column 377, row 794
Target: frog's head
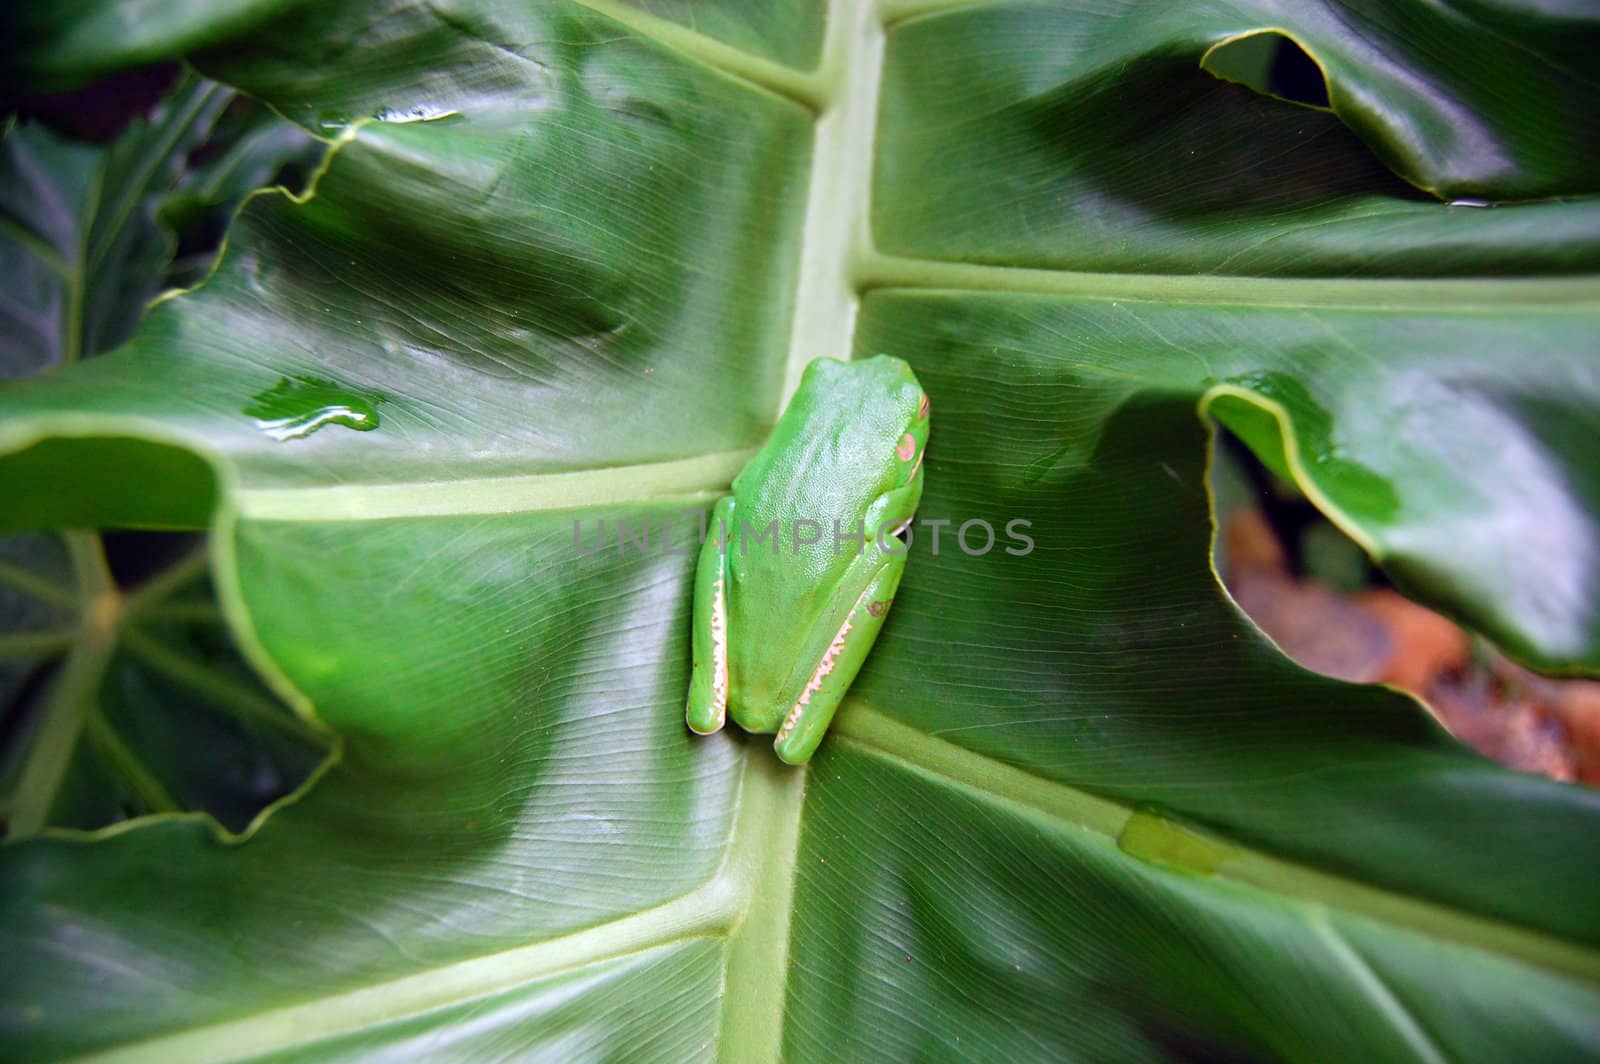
column 909, row 408
column 888, row 410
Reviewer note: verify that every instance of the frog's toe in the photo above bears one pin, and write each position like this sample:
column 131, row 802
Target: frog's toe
column 705, row 718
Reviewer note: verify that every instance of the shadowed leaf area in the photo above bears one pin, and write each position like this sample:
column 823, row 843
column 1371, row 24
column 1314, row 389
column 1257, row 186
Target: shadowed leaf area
column 563, row 262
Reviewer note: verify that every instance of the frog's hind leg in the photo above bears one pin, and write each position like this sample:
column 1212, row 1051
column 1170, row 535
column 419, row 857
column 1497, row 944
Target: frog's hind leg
column 812, row 712
column 708, row 680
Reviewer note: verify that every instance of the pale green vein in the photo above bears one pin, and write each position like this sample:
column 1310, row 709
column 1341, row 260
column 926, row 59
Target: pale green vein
column 183, row 613
column 35, row 586
column 131, row 192
column 35, row 245
column 872, row 728
column 125, row 763
column 1227, row 859
column 896, row 10
column 876, row 271
column 73, row 690
column 496, row 495
column 90, row 569
column 705, row 912
column 35, row 644
column 807, row 88
column 762, row 861
column 220, row 691
column 155, row 591
column 1400, row 1019
column 65, row 711
column 77, row 277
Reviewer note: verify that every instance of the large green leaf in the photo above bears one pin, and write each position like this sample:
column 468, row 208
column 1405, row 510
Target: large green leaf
column 562, row 264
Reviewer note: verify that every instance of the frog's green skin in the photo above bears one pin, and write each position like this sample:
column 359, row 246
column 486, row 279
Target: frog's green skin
column 778, row 639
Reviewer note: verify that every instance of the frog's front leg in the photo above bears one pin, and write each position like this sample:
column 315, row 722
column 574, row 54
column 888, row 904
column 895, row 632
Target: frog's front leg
column 708, row 681
column 808, row 718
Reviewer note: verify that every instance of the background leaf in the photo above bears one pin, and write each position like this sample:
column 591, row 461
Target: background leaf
column 122, row 695
column 79, row 241
column 87, row 231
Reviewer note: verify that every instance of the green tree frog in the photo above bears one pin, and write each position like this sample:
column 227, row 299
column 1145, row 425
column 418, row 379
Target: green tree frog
column 800, row 564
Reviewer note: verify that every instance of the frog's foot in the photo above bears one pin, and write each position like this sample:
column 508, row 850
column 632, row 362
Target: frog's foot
column 712, row 712
column 808, row 719
column 707, row 710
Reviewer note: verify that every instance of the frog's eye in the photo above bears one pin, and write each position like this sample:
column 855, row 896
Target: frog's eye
column 922, row 410
column 907, row 448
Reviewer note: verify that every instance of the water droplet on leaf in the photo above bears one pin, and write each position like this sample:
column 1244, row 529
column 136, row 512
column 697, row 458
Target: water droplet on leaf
column 296, row 407
column 422, row 112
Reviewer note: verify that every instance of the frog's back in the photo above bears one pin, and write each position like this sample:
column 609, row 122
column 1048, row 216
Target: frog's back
column 830, row 457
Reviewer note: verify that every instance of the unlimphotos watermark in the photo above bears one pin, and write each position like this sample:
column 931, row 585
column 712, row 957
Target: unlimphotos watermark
column 975, row 537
